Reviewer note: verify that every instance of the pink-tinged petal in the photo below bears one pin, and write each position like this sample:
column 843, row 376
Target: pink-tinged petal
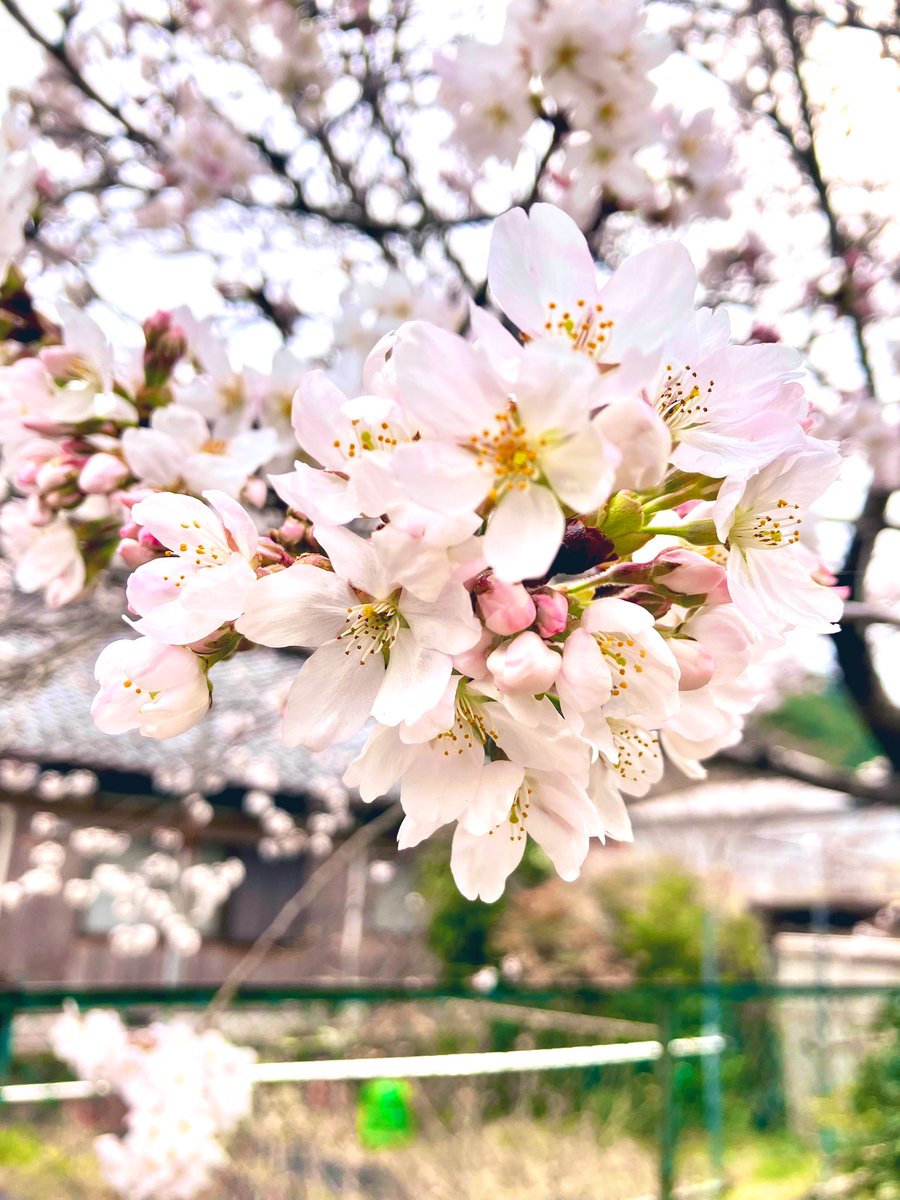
column 317, row 418
column 444, row 385
column 442, row 477
column 331, row 698
column 481, row 865
column 502, row 351
column 185, row 426
column 413, row 683
column 237, row 522
column 174, row 625
column 441, row 781
column 447, row 623
column 158, row 582
column 642, row 440
column 380, row 764
column 220, row 590
column 176, row 712
column 494, row 797
column 537, row 260
column 524, row 533
column 326, row 498
column 648, row 297
column 355, row 560
column 582, row 470
column 182, row 523
column 112, row 715
column 610, row 805
column 301, row 606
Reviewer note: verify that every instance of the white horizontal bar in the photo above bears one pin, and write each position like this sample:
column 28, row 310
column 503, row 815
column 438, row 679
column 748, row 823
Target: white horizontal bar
column 419, row 1066
column 74, row 1089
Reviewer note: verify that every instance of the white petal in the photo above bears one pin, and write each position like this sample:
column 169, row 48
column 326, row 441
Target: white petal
column 441, row 781
column 301, row 606
column 649, row 296
column 609, row 802
column 492, row 801
column 581, row 471
column 413, row 683
column 322, row 496
column 524, row 533
column 381, row 763
column 331, row 698
column 444, row 385
column 236, row 520
column 441, row 476
column 317, row 419
column 354, row 559
column 482, row 865
column 536, row 260
column 447, row 623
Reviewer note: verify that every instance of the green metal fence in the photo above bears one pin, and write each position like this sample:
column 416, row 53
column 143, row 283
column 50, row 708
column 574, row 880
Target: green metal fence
column 785, row 1051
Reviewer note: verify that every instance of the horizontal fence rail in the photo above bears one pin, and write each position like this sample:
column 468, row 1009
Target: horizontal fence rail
column 421, row 1066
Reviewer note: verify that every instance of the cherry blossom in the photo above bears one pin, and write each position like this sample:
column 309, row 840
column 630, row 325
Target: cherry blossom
column 146, row 685
column 204, row 579
column 381, row 649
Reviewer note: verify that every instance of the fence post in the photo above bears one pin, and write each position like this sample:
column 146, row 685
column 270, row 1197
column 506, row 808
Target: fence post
column 6, row 1039
column 711, row 1064
column 668, row 1139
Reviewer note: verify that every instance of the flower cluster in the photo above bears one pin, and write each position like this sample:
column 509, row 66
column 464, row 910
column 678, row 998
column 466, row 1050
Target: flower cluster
column 184, row 1090
column 538, row 561
column 586, row 74
column 85, row 437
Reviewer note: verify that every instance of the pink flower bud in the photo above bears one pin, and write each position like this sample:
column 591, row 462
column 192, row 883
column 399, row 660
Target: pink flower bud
column 687, row 572
column 146, row 538
column 505, row 607
column 133, row 554
column 526, row 665
column 552, row 612
column 255, row 491
column 102, row 474
column 56, row 473
column 695, row 661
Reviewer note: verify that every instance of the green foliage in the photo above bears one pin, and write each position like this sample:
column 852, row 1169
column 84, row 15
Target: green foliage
column 461, row 932
column 824, row 724
column 18, row 1147
column 656, row 925
column 872, row 1149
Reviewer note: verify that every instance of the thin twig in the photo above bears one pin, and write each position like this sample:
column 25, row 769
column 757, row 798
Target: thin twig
column 301, row 900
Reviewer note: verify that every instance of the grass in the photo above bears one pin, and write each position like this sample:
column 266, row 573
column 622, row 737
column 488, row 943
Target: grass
column 303, row 1145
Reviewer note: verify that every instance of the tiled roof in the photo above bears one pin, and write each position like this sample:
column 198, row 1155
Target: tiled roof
column 45, row 715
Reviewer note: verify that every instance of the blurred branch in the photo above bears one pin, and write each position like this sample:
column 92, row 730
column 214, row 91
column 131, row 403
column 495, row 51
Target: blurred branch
column 792, row 764
column 301, row 900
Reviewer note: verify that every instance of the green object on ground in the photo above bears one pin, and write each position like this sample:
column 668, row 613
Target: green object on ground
column 385, row 1115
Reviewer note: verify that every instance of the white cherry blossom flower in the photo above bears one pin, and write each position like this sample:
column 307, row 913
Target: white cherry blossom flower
column 177, row 450
column 204, row 579
column 380, row 649
column 759, row 517
column 160, row 690
column 525, row 452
